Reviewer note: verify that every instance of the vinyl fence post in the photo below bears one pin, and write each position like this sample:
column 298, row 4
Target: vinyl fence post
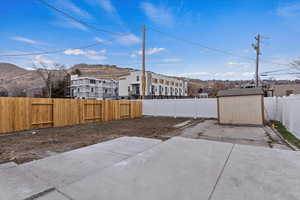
column 196, row 108
column 156, row 104
column 175, row 111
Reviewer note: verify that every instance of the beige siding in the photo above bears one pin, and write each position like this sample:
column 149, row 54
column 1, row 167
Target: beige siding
column 281, row 90
column 241, row 110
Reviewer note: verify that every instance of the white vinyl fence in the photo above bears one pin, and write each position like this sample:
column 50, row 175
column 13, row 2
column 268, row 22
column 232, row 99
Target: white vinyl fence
column 196, row 108
column 283, row 109
column 286, row 110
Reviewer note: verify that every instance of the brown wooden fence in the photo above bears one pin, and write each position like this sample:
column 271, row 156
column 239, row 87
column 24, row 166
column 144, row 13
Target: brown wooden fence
column 18, row 114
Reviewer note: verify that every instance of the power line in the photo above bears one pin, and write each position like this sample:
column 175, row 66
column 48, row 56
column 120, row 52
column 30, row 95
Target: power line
column 275, row 63
column 201, row 45
column 62, row 50
column 279, row 70
column 214, row 49
column 279, row 74
column 77, row 20
column 50, row 52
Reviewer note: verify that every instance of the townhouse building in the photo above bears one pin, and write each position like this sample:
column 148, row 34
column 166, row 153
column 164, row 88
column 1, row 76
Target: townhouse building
column 157, row 86
column 93, row 88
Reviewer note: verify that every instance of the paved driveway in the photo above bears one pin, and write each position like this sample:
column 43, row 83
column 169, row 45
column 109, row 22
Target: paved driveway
column 147, row 169
column 256, row 136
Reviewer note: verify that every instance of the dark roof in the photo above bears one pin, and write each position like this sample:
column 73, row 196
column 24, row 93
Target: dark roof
column 240, row 92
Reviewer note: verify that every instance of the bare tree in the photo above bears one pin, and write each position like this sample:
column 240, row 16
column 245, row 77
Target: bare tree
column 3, row 92
column 296, row 64
column 48, row 74
column 296, row 67
column 18, row 92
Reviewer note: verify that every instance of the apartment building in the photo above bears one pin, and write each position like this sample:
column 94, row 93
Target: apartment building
column 93, row 88
column 157, row 86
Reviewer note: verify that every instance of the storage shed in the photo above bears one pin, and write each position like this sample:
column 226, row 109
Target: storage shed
column 241, row 106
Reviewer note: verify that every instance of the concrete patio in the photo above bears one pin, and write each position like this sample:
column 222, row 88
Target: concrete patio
column 140, row 168
column 250, row 135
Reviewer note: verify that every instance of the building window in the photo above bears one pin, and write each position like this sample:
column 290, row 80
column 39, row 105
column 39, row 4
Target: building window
column 137, row 78
column 105, row 91
column 92, row 81
column 153, row 89
column 160, row 90
column 78, row 89
column 161, row 81
column 92, row 89
column 154, row 80
column 128, row 88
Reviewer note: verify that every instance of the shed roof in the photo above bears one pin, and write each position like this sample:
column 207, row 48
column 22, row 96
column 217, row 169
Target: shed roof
column 240, row 92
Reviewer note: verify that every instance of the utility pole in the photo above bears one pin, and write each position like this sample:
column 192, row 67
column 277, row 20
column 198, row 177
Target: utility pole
column 257, row 49
column 143, row 61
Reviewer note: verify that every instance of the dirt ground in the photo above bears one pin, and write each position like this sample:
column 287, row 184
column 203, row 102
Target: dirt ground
column 25, row 146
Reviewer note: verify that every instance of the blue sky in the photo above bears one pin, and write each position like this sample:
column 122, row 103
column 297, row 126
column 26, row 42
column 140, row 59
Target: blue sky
column 29, row 26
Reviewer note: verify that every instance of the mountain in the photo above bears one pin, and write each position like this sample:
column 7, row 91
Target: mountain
column 18, row 80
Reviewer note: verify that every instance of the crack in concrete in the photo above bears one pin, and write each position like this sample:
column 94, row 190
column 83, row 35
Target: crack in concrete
column 40, row 194
column 221, row 173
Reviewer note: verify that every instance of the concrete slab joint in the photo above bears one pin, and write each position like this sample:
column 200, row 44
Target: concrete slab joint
column 138, row 168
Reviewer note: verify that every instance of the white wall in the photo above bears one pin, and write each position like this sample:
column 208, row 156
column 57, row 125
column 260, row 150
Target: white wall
column 196, row 108
column 286, row 110
column 283, row 109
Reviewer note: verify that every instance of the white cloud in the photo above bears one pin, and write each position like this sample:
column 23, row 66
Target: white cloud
column 221, row 76
column 41, row 59
column 75, row 11
column 74, row 52
column 195, row 74
column 133, row 55
column 172, row 60
column 291, row 10
column 108, row 7
column 71, row 7
column 238, row 64
column 152, row 51
column 158, row 14
column 68, row 23
column 26, row 40
column 234, row 75
column 130, row 39
column 99, row 40
column 103, row 51
column 96, row 57
column 91, row 54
